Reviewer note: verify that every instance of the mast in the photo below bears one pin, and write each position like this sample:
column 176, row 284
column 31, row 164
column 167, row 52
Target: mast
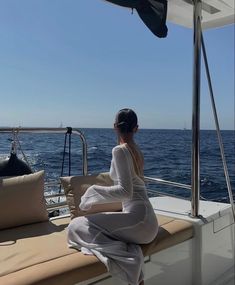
column 196, row 109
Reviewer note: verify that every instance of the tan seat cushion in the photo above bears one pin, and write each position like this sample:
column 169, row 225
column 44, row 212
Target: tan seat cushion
column 76, row 186
column 22, row 200
column 171, row 232
column 37, row 254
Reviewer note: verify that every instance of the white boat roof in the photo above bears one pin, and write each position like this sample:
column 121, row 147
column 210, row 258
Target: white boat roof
column 215, row 13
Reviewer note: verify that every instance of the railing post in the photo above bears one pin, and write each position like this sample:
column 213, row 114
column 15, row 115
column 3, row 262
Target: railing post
column 196, row 110
column 84, row 152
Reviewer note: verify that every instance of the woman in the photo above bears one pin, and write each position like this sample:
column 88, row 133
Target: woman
column 114, row 237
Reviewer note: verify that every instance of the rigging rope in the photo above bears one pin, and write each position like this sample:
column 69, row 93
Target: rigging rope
column 221, row 146
column 69, row 132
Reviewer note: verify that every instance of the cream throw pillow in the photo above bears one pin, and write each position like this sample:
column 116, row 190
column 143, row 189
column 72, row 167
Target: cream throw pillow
column 22, row 200
column 76, row 186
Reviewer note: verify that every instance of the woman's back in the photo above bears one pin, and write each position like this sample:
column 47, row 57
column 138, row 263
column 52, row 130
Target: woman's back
column 138, row 159
column 132, row 175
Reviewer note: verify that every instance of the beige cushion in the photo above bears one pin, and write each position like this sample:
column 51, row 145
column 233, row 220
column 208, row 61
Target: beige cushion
column 22, row 200
column 75, row 187
column 171, row 232
column 38, row 254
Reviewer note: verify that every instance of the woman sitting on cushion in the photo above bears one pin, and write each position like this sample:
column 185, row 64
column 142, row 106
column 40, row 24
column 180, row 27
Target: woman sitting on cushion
column 114, row 237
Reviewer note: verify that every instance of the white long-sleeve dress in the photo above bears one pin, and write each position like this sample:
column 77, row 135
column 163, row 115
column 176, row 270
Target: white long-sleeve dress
column 114, row 237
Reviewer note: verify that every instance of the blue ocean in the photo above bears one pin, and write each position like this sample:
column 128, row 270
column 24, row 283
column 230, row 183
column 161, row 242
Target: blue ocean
column 167, row 156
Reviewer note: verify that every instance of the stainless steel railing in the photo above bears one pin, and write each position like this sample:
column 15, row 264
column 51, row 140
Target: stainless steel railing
column 195, row 161
column 53, row 200
column 166, row 182
column 63, row 204
column 55, row 205
column 54, row 130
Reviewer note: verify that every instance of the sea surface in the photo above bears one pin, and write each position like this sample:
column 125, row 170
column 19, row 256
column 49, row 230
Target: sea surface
column 167, row 156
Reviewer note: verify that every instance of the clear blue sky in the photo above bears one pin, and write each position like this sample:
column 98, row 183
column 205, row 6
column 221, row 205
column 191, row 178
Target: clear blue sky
column 79, row 61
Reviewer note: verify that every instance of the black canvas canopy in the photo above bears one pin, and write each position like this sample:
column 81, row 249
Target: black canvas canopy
column 152, row 12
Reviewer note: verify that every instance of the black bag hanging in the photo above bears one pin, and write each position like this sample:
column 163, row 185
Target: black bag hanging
column 152, row 12
column 13, row 166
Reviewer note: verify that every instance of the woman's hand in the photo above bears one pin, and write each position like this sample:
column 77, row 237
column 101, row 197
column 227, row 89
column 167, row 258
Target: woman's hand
column 85, row 205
